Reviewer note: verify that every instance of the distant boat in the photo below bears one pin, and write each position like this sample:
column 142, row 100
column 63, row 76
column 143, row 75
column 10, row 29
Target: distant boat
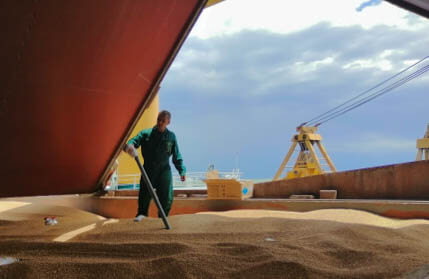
column 196, row 179
column 193, row 179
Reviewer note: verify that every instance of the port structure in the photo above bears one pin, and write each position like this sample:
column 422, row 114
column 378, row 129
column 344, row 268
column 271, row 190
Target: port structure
column 423, row 146
column 307, row 162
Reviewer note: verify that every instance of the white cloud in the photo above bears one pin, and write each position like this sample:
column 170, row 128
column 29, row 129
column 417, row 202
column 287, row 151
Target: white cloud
column 381, row 64
column 303, row 67
column 237, row 89
column 283, row 17
column 410, row 62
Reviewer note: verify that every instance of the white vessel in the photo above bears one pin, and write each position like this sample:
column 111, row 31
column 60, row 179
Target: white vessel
column 194, row 180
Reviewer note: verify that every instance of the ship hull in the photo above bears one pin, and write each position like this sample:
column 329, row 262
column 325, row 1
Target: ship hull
column 75, row 76
column 406, row 181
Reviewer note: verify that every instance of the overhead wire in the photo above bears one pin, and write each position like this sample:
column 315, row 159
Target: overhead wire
column 317, row 118
column 338, row 109
column 374, row 95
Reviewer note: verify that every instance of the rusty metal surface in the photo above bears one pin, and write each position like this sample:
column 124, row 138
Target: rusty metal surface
column 126, row 206
column 409, row 181
column 74, row 75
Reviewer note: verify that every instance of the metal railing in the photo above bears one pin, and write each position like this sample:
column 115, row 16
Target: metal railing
column 128, row 181
column 193, row 180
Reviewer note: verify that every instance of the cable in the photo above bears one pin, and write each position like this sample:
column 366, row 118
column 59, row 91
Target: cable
column 384, row 91
column 318, row 118
column 375, row 95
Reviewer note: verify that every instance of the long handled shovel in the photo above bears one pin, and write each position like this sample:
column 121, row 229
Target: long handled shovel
column 152, row 193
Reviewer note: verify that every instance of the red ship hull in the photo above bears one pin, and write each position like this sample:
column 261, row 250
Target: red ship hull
column 75, row 74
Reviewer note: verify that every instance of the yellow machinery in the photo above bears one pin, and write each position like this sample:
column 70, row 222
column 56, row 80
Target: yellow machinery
column 423, row 146
column 307, row 162
column 127, row 164
column 212, row 2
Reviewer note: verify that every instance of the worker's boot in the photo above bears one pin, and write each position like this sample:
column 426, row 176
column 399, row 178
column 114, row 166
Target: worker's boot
column 139, row 218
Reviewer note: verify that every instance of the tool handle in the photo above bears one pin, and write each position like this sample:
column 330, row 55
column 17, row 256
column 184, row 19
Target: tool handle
column 152, row 192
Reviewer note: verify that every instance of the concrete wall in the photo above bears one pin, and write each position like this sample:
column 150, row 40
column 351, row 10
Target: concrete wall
column 400, row 181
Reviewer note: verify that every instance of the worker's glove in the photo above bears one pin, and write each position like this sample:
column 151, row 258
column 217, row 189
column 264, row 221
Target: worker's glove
column 129, row 148
column 183, row 178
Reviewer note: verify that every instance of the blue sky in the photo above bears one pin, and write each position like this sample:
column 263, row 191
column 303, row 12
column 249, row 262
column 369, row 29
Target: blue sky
column 368, row 4
column 246, row 77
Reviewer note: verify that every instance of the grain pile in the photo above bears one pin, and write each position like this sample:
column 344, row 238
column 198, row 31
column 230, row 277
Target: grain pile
column 234, row 244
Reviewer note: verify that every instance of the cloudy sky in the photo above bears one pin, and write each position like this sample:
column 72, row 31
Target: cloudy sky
column 253, row 70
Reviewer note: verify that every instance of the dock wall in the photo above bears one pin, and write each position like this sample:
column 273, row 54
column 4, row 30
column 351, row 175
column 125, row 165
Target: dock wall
column 407, row 181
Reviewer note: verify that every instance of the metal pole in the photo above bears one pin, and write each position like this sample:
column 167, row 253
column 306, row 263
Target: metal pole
column 152, row 193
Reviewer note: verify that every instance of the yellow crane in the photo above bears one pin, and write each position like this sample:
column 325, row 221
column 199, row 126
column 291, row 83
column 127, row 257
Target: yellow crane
column 423, row 146
column 307, row 163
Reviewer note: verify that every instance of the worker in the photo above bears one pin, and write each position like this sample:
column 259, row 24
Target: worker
column 157, row 145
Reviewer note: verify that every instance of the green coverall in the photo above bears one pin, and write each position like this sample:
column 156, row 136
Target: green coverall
column 156, row 148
